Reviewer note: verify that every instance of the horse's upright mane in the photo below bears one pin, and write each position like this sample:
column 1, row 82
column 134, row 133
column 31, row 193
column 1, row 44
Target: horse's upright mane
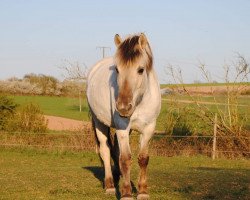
column 129, row 52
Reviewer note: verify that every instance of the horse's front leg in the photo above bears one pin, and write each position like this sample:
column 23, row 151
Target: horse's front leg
column 125, row 162
column 143, row 159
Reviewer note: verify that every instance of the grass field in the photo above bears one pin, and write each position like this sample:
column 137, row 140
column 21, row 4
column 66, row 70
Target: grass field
column 242, row 100
column 37, row 174
column 57, row 106
column 69, row 107
column 212, row 103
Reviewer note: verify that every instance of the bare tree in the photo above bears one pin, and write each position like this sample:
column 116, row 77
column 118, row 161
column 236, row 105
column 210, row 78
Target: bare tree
column 74, row 71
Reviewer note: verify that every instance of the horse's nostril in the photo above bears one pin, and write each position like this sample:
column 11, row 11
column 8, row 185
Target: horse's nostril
column 123, row 108
column 119, row 105
column 129, row 107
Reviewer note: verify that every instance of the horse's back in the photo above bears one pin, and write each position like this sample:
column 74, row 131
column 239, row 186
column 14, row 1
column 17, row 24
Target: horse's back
column 100, row 90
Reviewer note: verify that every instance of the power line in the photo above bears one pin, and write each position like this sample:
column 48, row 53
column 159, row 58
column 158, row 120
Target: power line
column 103, row 48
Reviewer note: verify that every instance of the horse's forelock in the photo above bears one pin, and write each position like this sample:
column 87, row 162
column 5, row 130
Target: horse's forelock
column 129, row 53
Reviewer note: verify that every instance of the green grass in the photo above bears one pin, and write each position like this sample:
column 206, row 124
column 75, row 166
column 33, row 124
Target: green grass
column 37, row 174
column 57, row 106
column 69, row 107
column 242, row 101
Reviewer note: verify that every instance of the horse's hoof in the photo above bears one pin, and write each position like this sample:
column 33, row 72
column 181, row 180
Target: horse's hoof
column 142, row 197
column 110, row 191
column 127, row 198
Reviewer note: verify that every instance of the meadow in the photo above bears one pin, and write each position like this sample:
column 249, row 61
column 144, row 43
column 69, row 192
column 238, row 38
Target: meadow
column 46, row 171
column 69, row 107
column 39, row 174
column 57, row 106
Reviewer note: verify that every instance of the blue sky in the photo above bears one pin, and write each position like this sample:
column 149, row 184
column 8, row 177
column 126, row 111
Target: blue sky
column 36, row 36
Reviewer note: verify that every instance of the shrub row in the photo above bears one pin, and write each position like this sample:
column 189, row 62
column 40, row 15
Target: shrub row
column 33, row 84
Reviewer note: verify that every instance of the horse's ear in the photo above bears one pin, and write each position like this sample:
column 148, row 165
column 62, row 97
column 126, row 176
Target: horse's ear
column 142, row 40
column 118, row 40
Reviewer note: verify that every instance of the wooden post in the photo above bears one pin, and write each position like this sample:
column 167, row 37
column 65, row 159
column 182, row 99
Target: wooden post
column 214, row 137
column 80, row 101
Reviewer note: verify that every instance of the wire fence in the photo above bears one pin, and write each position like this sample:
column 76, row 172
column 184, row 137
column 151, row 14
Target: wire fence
column 161, row 144
column 158, row 134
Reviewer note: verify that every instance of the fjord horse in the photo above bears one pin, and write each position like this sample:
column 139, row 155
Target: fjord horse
column 123, row 92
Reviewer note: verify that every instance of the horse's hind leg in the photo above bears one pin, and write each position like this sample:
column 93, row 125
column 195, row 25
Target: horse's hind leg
column 102, row 133
column 143, row 159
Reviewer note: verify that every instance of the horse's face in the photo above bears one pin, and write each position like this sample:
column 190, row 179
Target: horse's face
column 131, row 77
column 132, row 83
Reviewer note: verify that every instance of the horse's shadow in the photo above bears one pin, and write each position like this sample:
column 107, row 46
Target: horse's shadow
column 98, row 172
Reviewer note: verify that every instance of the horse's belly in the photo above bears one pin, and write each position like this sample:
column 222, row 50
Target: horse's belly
column 100, row 94
column 99, row 104
column 101, row 114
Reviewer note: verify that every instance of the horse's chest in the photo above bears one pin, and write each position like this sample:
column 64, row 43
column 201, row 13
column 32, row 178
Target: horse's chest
column 140, row 119
column 137, row 124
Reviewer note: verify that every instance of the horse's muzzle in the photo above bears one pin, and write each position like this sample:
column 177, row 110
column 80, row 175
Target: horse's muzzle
column 124, row 110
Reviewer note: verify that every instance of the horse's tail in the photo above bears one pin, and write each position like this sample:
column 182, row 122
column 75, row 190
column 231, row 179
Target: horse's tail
column 90, row 115
column 97, row 147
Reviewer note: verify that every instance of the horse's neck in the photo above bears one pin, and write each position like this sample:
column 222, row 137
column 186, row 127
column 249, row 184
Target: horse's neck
column 152, row 92
column 153, row 84
column 149, row 107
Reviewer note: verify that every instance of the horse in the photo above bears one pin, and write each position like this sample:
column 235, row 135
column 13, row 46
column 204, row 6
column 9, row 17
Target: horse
column 123, row 93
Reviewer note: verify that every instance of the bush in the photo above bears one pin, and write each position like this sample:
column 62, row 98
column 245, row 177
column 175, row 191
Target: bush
column 199, row 118
column 47, row 84
column 43, row 85
column 28, row 118
column 7, row 110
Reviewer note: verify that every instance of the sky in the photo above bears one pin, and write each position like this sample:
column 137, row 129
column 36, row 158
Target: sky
column 38, row 36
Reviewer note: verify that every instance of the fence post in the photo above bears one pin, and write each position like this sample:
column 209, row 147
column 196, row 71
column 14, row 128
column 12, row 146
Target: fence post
column 80, row 101
column 214, row 137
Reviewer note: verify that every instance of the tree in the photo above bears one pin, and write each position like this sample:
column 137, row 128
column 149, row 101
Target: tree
column 74, row 71
column 47, row 84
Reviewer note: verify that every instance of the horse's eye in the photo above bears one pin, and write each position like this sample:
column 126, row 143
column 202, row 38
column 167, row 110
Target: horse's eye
column 116, row 70
column 140, row 71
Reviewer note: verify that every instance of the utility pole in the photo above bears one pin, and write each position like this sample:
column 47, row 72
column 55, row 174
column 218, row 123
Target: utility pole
column 103, row 50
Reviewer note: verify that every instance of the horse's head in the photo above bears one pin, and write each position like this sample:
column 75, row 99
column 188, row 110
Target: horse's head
column 133, row 61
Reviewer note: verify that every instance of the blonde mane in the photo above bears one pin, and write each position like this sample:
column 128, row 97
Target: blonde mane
column 129, row 53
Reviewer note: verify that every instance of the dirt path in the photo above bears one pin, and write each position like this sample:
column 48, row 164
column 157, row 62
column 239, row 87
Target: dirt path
column 60, row 123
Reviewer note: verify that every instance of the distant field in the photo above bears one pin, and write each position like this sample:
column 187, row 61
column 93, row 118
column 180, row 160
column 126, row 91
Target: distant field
column 211, row 102
column 244, row 100
column 37, row 174
column 203, row 84
column 69, row 107
column 57, row 106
